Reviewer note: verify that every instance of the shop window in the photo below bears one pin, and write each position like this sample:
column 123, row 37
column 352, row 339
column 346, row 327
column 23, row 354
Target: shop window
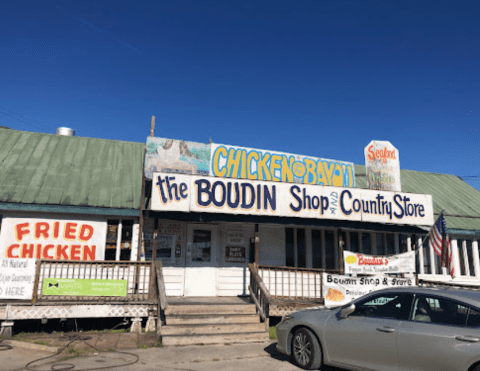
column 289, row 247
column 390, row 243
column 301, row 248
column 317, row 249
column 111, row 242
column 366, row 243
column 380, row 243
column 329, row 250
column 403, row 242
column 201, row 246
column 354, row 245
column 126, row 241
column 342, row 240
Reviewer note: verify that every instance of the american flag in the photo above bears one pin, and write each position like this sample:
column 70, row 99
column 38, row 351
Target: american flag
column 441, row 243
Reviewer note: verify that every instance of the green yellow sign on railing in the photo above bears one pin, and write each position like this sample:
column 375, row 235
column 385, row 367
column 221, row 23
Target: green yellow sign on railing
column 84, row 287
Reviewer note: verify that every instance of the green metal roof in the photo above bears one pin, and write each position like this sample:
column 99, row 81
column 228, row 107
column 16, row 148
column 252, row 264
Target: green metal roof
column 49, row 169
column 448, row 191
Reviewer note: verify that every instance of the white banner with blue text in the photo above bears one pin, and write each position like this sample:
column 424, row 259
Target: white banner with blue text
column 192, row 193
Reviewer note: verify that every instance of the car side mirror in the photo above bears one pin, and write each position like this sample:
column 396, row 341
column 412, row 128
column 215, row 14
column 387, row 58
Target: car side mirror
column 345, row 312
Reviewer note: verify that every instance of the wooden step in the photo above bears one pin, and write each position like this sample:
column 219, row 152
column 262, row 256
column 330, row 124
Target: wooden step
column 225, row 328
column 211, row 309
column 201, row 339
column 212, row 319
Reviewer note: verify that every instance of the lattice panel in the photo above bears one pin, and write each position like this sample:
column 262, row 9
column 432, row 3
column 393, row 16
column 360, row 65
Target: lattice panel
column 73, row 311
column 283, row 309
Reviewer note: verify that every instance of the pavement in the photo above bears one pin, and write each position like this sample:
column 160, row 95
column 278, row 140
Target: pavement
column 251, row 357
column 134, row 352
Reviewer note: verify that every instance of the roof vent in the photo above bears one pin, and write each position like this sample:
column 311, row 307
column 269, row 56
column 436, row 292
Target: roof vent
column 66, row 132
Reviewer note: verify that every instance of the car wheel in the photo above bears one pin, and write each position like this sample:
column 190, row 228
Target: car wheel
column 476, row 368
column 306, row 350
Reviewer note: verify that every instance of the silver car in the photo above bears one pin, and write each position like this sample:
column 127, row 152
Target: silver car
column 414, row 329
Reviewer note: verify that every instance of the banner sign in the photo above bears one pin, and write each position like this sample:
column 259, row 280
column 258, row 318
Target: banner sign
column 83, row 287
column 176, row 192
column 16, row 278
column 219, row 160
column 52, row 238
column 255, row 164
column 357, row 263
column 382, row 165
column 339, row 290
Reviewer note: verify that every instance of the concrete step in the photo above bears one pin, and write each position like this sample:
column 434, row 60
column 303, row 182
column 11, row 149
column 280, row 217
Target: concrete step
column 200, row 339
column 209, row 318
column 224, row 328
column 210, row 309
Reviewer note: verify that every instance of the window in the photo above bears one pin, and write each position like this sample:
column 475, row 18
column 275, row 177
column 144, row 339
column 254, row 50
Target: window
column 295, row 247
column 126, row 240
column 111, row 242
column 301, row 248
column 403, row 242
column 330, row 250
column 289, row 247
column 381, row 306
column 439, row 311
column 473, row 318
column 354, row 246
column 317, row 249
column 366, row 243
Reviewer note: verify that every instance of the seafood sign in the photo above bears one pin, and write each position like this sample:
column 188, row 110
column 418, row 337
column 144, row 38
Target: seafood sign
column 382, row 165
column 340, row 290
column 186, row 193
column 357, row 263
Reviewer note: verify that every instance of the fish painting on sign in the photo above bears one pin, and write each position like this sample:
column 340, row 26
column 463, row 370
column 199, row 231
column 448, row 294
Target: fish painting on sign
column 176, row 156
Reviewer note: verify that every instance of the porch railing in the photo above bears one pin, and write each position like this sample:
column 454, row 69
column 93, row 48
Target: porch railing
column 137, row 275
column 294, row 283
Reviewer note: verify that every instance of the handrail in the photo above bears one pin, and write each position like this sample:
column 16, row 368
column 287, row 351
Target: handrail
column 259, row 292
column 162, row 294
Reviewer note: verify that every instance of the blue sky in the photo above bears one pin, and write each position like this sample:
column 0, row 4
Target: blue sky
column 319, row 78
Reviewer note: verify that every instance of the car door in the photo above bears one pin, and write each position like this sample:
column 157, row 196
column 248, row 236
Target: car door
column 367, row 338
column 437, row 337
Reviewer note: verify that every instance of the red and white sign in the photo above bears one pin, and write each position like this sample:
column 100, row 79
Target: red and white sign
column 52, row 238
column 357, row 263
column 382, row 165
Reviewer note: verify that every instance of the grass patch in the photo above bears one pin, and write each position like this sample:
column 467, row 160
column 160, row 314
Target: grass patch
column 215, row 359
column 75, row 352
column 272, row 333
column 143, row 346
column 111, row 350
column 40, row 342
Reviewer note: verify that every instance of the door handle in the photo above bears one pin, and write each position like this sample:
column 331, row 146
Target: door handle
column 386, row 329
column 470, row 339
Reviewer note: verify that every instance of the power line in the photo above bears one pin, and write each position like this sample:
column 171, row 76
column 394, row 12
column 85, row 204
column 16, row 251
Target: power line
column 38, row 126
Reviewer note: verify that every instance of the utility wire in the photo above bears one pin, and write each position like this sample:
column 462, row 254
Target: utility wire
column 37, row 125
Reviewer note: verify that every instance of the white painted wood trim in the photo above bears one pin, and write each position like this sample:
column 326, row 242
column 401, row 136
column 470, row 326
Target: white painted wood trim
column 433, row 266
column 119, row 240
column 420, row 255
column 465, row 257
column 476, row 261
column 455, row 257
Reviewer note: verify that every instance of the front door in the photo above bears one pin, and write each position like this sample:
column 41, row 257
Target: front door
column 201, row 261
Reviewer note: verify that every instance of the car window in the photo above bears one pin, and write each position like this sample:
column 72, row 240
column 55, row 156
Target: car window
column 439, row 311
column 473, row 319
column 380, row 306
